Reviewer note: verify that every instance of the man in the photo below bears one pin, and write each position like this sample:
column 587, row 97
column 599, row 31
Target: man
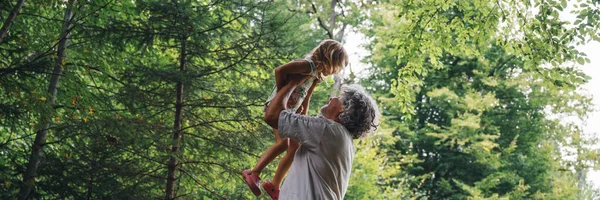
column 322, row 164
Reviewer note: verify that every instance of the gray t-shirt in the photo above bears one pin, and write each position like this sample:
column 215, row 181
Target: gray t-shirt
column 322, row 164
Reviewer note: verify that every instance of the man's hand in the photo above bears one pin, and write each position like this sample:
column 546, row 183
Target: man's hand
column 300, row 110
column 277, row 103
column 294, row 81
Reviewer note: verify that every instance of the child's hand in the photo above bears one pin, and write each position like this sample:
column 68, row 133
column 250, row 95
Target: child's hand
column 300, row 109
column 291, row 102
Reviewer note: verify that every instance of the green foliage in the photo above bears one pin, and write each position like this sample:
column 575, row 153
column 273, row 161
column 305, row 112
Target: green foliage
column 372, row 171
column 473, row 98
column 471, row 94
column 483, row 129
column 111, row 134
column 416, row 34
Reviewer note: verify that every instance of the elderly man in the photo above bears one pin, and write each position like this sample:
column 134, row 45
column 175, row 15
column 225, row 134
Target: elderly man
column 322, row 164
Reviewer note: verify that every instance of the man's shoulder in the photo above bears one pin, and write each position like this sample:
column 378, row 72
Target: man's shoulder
column 318, row 119
column 292, row 115
column 336, row 127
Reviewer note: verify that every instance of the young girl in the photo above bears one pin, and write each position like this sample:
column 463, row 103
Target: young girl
column 328, row 58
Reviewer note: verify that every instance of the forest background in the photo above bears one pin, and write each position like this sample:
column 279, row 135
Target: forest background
column 114, row 99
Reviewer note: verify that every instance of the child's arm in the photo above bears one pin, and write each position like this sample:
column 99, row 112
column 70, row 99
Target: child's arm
column 282, row 71
column 307, row 98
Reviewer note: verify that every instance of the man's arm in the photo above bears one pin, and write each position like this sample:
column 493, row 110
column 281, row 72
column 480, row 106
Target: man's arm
column 306, row 130
column 277, row 103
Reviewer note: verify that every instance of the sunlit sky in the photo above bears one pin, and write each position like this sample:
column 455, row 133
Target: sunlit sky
column 591, row 125
column 355, row 47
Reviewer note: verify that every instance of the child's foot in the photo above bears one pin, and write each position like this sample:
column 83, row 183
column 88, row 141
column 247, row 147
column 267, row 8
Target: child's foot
column 270, row 189
column 252, row 180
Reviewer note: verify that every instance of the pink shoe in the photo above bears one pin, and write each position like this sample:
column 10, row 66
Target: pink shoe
column 270, row 189
column 252, row 180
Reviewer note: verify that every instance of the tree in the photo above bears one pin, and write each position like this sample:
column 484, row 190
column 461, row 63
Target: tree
column 46, row 116
column 164, row 99
column 118, row 98
column 374, row 173
column 471, row 105
column 419, row 33
column 475, row 125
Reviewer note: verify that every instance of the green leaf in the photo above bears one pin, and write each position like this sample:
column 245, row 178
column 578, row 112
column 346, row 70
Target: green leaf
column 580, row 60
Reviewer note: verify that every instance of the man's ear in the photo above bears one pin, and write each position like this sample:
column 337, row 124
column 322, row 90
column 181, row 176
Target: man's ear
column 338, row 116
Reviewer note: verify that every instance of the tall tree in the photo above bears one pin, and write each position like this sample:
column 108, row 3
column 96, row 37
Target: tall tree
column 474, row 126
column 415, row 33
column 118, row 98
column 45, row 120
column 472, row 105
column 225, row 42
column 171, row 178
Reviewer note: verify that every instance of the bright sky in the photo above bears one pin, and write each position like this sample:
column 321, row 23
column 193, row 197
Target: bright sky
column 355, row 42
column 590, row 125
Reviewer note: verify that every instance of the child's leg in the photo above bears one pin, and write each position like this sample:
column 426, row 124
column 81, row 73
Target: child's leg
column 286, row 162
column 271, row 153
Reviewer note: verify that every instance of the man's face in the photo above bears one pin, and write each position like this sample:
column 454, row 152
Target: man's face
column 332, row 109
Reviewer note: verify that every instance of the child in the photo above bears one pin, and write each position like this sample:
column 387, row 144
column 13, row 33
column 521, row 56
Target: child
column 328, row 58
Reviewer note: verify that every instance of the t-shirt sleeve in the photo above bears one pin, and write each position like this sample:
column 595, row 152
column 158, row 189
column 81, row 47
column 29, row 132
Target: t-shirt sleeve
column 304, row 129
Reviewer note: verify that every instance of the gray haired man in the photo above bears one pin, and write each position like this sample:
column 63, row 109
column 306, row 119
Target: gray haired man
column 322, row 164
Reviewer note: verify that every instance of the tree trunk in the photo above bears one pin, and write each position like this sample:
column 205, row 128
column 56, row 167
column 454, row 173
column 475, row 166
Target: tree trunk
column 340, row 33
column 37, row 149
column 9, row 21
column 337, row 85
column 332, row 16
column 581, row 173
column 336, row 78
column 171, row 177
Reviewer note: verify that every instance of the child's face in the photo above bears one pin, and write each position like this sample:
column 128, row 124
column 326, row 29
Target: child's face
column 332, row 69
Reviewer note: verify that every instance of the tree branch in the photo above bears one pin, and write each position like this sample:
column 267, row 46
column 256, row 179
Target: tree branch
column 201, row 184
column 321, row 23
column 223, row 144
column 10, row 19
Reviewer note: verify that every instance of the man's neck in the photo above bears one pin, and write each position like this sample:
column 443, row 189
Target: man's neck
column 333, row 118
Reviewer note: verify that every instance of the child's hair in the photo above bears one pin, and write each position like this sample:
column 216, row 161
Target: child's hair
column 331, row 56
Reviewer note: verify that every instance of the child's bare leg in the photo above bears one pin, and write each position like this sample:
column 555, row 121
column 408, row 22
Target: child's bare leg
column 271, row 153
column 286, row 162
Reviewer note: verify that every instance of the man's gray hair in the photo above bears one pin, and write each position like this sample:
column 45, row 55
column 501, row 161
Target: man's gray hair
column 361, row 114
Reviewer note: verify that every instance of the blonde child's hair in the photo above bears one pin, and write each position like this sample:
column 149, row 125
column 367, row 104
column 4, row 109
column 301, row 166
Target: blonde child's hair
column 330, row 58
